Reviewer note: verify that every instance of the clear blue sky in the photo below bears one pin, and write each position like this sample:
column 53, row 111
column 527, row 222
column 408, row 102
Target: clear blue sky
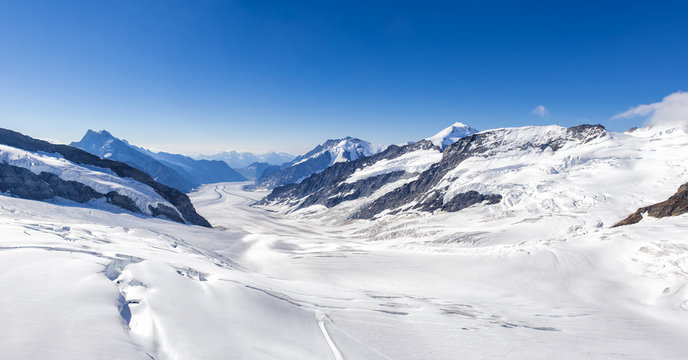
column 195, row 76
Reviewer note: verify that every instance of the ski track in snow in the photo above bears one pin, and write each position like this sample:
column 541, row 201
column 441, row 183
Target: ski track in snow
column 321, row 323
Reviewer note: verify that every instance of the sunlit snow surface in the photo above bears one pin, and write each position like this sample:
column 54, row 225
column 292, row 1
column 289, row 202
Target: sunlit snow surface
column 510, row 281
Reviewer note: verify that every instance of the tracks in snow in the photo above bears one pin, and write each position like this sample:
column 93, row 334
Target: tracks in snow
column 321, row 323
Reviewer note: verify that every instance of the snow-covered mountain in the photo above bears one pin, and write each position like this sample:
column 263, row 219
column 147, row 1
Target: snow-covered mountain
column 239, row 159
column 446, row 186
column 321, row 157
column 361, row 178
column 451, row 134
column 178, row 171
column 537, row 169
column 38, row 170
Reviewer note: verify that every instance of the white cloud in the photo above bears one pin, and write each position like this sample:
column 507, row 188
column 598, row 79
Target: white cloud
column 540, row 111
column 671, row 111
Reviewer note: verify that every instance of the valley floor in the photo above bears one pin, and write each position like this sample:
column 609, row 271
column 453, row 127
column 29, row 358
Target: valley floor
column 85, row 283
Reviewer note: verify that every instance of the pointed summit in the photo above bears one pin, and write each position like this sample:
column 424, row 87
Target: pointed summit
column 451, row 134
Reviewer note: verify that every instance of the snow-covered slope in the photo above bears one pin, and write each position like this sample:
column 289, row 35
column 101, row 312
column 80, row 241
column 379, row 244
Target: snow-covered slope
column 178, row 171
column 446, row 186
column 39, row 170
column 83, row 283
column 451, row 134
column 512, row 172
column 106, row 146
column 321, row 157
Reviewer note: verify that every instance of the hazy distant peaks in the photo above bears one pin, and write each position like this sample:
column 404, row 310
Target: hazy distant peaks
column 238, row 159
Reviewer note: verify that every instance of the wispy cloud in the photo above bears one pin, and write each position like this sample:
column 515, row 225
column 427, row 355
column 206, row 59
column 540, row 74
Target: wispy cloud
column 540, row 111
column 671, row 111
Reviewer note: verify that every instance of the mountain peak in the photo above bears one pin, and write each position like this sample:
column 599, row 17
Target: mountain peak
column 451, row 134
column 105, row 133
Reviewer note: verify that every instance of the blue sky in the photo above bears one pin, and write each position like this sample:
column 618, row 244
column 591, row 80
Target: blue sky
column 199, row 76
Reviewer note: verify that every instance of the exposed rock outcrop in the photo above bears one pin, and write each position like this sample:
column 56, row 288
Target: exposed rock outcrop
column 677, row 204
column 23, row 183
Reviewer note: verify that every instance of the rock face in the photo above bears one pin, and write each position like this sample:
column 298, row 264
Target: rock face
column 177, row 171
column 23, row 183
column 677, row 204
column 319, row 159
column 73, row 190
column 424, row 193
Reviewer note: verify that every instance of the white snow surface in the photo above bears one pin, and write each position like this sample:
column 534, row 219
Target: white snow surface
column 539, row 276
column 411, row 162
column 100, row 179
column 451, row 134
column 594, row 181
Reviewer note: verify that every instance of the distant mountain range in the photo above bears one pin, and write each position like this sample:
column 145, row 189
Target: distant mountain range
column 258, row 170
column 39, row 170
column 177, row 171
column 239, row 160
column 320, row 158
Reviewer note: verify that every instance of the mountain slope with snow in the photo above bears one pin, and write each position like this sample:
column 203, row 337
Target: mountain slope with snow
column 177, row 171
column 445, row 185
column 321, row 157
column 361, row 178
column 513, row 172
column 368, row 178
column 36, row 169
